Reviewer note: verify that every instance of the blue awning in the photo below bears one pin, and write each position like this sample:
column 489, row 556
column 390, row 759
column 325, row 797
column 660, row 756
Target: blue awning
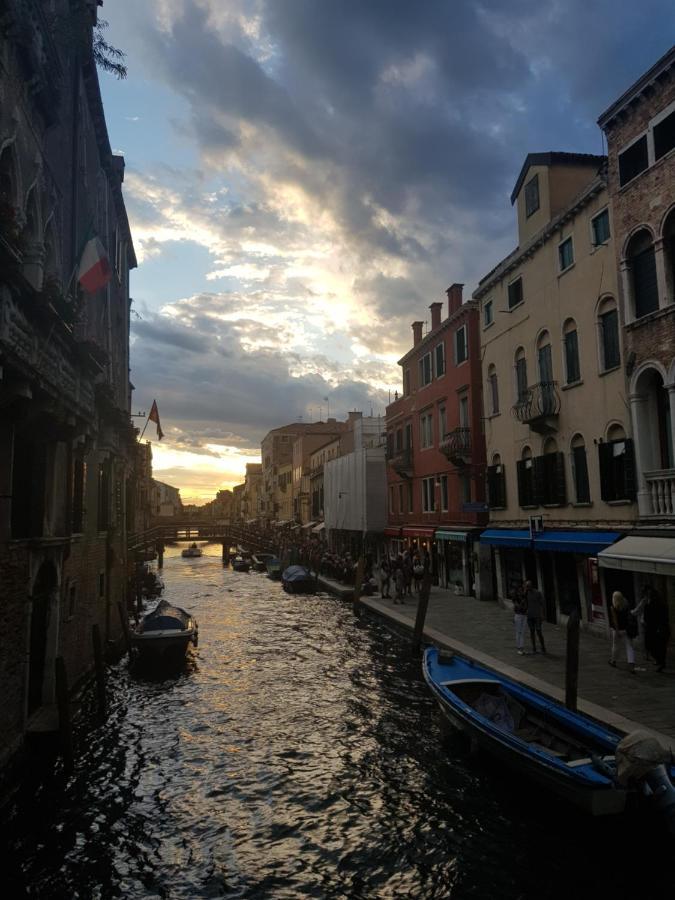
column 588, row 542
column 505, row 537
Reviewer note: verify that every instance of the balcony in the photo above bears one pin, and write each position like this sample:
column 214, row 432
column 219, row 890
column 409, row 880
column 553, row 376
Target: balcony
column 456, row 446
column 660, row 494
column 539, row 407
column 401, row 462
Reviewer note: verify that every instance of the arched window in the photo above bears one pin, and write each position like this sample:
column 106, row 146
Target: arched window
column 496, row 484
column 669, row 250
column 525, row 471
column 544, row 358
column 521, row 375
column 493, row 390
column 571, row 344
column 608, row 335
column 617, row 466
column 582, row 489
column 642, row 271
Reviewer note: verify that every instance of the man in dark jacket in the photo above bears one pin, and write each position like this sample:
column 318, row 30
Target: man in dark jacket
column 535, row 614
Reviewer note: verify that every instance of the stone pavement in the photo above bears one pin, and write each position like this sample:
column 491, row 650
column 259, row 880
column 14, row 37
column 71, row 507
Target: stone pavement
column 484, row 632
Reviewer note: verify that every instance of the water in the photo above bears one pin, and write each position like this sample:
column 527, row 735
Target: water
column 298, row 755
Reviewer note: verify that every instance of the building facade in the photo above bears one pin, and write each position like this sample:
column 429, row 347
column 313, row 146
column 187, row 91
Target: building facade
column 166, row 501
column 251, row 502
column 435, row 447
column 560, row 473
column 640, row 131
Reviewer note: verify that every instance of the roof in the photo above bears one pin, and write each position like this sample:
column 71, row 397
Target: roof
column 659, row 68
column 554, row 158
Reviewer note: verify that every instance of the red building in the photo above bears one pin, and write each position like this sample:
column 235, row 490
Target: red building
column 435, row 444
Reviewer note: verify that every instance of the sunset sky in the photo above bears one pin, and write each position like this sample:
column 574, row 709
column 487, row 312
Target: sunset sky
column 304, row 177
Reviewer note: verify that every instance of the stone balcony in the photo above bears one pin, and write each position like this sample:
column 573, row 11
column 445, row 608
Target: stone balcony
column 456, row 446
column 401, row 462
column 659, row 502
column 539, row 407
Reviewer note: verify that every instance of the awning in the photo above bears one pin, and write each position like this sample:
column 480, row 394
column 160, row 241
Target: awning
column 590, row 542
column 309, row 525
column 442, row 534
column 319, row 527
column 655, row 555
column 296, row 527
column 425, row 531
column 506, row 537
column 392, row 532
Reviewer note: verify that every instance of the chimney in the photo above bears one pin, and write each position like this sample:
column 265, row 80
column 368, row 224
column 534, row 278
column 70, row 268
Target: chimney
column 435, row 314
column 454, row 293
column 417, row 332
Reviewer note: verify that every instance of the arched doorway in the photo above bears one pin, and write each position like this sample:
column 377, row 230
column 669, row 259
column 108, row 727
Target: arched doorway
column 44, row 589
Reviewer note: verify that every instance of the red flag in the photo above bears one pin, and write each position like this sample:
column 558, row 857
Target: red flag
column 94, row 270
column 154, row 417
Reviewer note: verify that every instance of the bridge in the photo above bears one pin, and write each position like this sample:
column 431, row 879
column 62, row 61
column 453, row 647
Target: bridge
column 145, row 544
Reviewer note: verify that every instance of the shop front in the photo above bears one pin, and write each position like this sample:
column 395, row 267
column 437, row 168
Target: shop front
column 420, row 538
column 455, row 559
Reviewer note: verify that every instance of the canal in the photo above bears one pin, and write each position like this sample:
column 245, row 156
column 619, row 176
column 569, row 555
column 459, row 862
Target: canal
column 298, row 755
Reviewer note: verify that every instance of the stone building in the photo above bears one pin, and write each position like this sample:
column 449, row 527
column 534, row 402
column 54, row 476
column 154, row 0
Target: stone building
column 166, row 501
column 252, row 493
column 640, row 131
column 66, row 442
column 559, row 453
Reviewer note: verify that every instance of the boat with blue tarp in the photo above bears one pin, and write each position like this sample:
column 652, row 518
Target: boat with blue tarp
column 165, row 634
column 298, row 580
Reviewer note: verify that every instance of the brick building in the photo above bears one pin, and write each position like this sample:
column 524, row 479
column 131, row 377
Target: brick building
column 640, row 131
column 435, row 445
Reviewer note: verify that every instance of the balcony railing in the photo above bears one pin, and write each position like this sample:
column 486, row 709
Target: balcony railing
column 661, row 491
column 456, row 445
column 539, row 407
column 401, row 461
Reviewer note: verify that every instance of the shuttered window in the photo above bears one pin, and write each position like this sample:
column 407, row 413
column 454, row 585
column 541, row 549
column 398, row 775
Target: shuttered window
column 572, row 357
column 645, row 289
column 609, row 332
column 526, row 491
column 549, row 479
column 496, row 487
column 515, row 291
column 521, row 379
column 617, row 470
column 633, row 160
column 580, row 467
column 664, row 136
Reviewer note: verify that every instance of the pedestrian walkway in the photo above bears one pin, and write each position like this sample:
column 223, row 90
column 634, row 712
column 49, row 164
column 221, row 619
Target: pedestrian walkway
column 484, row 632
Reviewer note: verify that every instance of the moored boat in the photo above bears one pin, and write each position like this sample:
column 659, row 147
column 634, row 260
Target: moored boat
column 563, row 751
column 260, row 561
column 274, row 567
column 192, row 550
column 165, row 634
column 298, row 580
column 241, row 564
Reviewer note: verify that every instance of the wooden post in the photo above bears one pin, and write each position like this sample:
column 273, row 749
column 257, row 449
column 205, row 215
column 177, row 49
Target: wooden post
column 63, row 706
column 422, row 607
column 125, row 625
column 160, row 555
column 99, row 668
column 572, row 661
column 358, row 583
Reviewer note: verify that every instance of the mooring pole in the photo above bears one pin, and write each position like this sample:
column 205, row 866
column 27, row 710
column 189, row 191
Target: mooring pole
column 422, row 606
column 160, row 555
column 125, row 625
column 99, row 669
column 63, row 706
column 358, row 584
column 572, row 660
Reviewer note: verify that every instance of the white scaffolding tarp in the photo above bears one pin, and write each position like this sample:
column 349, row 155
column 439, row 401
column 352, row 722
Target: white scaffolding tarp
column 355, row 491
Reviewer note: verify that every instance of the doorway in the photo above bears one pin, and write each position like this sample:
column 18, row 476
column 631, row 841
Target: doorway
column 44, row 589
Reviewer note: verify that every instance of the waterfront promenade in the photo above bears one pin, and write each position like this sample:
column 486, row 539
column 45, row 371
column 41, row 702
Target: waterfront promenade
column 484, row 632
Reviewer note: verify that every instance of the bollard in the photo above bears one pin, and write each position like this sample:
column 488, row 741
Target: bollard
column 125, row 625
column 572, row 661
column 99, row 669
column 63, row 706
column 358, row 583
column 422, row 606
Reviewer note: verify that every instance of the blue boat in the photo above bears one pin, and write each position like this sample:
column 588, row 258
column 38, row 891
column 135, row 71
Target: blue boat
column 563, row 751
column 298, row 580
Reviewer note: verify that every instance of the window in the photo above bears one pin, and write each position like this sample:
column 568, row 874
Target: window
column 488, row 313
column 580, row 470
column 515, row 291
column 532, row 196
column 464, row 411
column 444, row 493
column 549, row 476
column 440, row 360
column 77, row 498
column 428, row 488
column 461, row 348
column 496, row 484
column 399, row 440
column 101, row 584
column 664, row 136
column 426, row 370
column 464, row 488
column 521, row 376
column 427, row 430
column 391, row 500
column 633, row 160
column 493, row 390
column 400, row 498
column 610, row 356
column 617, row 468
column 600, row 228
column 442, row 423
column 410, row 496
column 571, row 342
column 643, row 284
column 103, row 497
column 565, row 254
column 525, row 473
column 406, row 382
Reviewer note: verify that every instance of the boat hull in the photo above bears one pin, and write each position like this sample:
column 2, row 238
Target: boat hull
column 163, row 648
column 581, row 785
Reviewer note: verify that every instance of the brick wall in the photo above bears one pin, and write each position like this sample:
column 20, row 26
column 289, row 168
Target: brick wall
column 13, row 644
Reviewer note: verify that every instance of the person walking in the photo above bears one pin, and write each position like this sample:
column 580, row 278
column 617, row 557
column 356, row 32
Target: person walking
column 623, row 626
column 399, row 579
column 656, row 624
column 535, row 609
column 519, row 618
column 385, row 577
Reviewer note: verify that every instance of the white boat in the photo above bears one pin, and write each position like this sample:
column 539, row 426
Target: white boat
column 165, row 634
column 192, row 550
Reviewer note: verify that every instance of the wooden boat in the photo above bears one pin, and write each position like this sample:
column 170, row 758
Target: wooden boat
column 563, row 751
column 192, row 550
column 240, row 564
column 298, row 580
column 165, row 634
column 260, row 561
column 274, row 567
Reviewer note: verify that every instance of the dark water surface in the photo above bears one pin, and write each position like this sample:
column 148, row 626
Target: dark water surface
column 299, row 755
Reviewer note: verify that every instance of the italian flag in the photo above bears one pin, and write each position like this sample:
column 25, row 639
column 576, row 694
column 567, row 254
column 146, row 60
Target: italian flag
column 94, row 271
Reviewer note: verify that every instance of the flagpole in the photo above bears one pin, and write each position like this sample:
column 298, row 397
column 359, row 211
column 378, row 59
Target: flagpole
column 144, row 427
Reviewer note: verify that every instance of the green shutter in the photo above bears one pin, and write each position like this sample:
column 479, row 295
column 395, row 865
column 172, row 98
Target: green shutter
column 630, row 474
column 560, row 491
column 605, row 456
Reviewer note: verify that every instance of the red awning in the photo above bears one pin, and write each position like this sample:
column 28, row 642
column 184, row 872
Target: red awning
column 392, row 532
column 425, row 531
